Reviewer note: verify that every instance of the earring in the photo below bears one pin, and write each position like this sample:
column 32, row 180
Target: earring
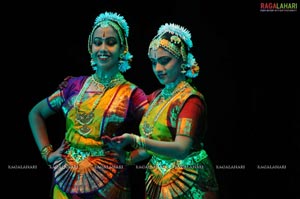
column 93, row 64
column 121, row 57
column 183, row 67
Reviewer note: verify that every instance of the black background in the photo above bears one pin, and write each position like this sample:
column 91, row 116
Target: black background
column 248, row 61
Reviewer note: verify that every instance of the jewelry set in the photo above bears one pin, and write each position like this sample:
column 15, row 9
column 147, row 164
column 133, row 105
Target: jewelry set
column 45, row 152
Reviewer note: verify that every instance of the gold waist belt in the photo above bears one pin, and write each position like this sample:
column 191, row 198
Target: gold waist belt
column 80, row 154
column 191, row 161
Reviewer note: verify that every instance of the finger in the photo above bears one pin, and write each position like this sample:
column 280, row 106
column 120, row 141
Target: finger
column 64, row 142
column 116, row 139
column 106, row 139
column 66, row 145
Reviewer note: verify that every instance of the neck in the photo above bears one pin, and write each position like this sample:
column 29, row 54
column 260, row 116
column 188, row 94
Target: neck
column 108, row 82
column 173, row 84
column 106, row 76
column 169, row 89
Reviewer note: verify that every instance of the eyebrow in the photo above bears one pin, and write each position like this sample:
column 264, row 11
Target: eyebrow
column 105, row 38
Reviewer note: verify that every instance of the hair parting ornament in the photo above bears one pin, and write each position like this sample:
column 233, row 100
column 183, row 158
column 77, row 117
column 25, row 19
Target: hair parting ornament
column 179, row 45
column 120, row 25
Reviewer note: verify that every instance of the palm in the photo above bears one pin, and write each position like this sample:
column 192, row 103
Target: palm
column 122, row 141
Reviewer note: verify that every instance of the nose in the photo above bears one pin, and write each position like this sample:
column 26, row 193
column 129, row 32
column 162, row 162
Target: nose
column 158, row 67
column 103, row 47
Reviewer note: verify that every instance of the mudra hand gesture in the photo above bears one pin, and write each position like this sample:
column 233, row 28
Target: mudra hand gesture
column 118, row 142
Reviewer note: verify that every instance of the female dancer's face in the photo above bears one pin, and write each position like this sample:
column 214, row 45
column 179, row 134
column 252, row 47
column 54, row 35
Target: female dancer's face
column 165, row 66
column 106, row 48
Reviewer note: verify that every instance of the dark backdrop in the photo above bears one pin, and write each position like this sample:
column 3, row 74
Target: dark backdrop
column 248, row 75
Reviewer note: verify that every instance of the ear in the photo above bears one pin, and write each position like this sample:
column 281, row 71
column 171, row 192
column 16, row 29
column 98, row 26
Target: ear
column 122, row 49
column 122, row 52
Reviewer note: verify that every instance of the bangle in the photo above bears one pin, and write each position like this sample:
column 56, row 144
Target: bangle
column 142, row 143
column 128, row 159
column 138, row 142
column 135, row 143
column 45, row 152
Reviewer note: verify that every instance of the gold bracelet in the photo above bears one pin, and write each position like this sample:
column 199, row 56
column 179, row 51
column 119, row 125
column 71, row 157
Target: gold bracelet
column 135, row 141
column 142, row 143
column 138, row 142
column 45, row 152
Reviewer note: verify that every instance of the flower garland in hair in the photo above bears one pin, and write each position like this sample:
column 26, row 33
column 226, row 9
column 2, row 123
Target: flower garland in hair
column 178, row 30
column 123, row 62
column 113, row 17
column 191, row 66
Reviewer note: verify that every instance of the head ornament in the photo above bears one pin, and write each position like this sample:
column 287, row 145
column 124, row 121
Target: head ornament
column 113, row 17
column 178, row 44
column 177, row 30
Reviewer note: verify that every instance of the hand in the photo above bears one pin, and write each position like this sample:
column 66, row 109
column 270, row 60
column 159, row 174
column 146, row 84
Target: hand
column 113, row 149
column 122, row 140
column 108, row 142
column 119, row 154
column 106, row 139
column 59, row 153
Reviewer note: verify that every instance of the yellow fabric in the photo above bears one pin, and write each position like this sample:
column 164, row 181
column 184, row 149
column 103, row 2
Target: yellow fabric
column 59, row 194
column 165, row 177
column 93, row 138
column 164, row 115
column 81, row 171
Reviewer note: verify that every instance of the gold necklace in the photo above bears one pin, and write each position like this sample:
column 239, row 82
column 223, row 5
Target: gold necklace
column 108, row 82
column 169, row 89
column 147, row 127
column 84, row 119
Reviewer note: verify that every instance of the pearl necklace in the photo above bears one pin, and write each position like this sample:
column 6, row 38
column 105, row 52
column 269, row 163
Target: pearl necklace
column 161, row 98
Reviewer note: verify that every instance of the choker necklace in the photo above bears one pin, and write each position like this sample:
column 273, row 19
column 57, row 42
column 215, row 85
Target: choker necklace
column 108, row 82
column 84, row 119
column 169, row 89
column 147, row 127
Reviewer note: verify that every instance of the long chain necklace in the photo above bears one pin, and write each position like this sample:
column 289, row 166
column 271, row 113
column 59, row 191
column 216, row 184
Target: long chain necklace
column 83, row 118
column 162, row 97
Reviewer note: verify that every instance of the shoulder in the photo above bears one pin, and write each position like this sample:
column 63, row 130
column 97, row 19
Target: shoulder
column 78, row 79
column 73, row 85
column 136, row 90
column 152, row 95
column 71, row 82
column 196, row 98
column 192, row 91
column 131, row 85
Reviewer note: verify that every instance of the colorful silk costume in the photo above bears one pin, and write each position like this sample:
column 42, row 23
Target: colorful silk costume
column 171, row 178
column 87, row 169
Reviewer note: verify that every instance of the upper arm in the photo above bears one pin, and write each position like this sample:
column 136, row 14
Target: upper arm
column 42, row 109
column 49, row 105
column 190, row 117
column 189, row 122
column 139, row 103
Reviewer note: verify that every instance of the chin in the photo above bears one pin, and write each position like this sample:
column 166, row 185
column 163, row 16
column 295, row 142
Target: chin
column 161, row 81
